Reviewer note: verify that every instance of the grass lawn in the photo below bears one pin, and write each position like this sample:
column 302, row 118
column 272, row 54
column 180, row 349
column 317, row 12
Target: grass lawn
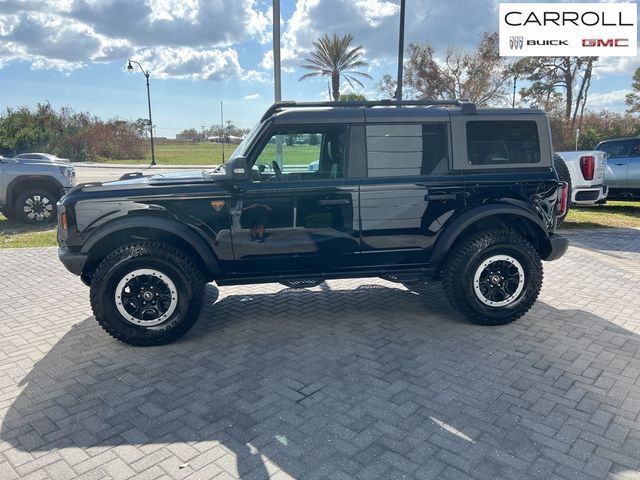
column 18, row 235
column 211, row 154
column 613, row 214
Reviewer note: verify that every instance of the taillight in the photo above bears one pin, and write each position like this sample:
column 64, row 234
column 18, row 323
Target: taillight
column 588, row 166
column 564, row 198
column 63, row 221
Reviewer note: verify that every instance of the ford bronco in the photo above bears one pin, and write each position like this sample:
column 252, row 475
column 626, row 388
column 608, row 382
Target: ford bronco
column 409, row 191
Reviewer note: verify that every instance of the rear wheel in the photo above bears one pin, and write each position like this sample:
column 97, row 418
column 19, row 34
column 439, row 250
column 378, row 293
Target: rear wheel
column 36, row 206
column 493, row 277
column 147, row 293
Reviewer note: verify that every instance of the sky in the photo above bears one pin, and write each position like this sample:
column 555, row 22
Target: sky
column 202, row 52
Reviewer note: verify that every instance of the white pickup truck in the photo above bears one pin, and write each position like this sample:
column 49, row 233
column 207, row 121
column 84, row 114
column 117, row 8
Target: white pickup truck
column 586, row 169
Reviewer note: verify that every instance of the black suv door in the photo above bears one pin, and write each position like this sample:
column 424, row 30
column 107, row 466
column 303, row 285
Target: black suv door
column 407, row 196
column 300, row 212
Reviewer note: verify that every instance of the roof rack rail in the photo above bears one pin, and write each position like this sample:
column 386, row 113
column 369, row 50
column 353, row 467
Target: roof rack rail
column 466, row 105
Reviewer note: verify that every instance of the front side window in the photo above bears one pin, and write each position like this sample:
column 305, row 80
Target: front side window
column 407, row 150
column 502, row 142
column 316, row 153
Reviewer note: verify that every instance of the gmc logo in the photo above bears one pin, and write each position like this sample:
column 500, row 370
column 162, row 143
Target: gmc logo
column 609, row 42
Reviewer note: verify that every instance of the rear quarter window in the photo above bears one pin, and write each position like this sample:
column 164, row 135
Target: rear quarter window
column 502, row 142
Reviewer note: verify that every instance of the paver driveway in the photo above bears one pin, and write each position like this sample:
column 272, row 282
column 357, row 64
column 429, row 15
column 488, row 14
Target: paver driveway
column 352, row 379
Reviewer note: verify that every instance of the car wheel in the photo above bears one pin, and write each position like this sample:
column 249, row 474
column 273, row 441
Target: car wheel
column 564, row 176
column 493, row 277
column 147, row 293
column 35, row 206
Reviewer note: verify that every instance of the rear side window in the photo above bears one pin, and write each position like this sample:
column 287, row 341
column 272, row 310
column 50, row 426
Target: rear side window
column 502, row 142
column 407, row 150
column 617, row 149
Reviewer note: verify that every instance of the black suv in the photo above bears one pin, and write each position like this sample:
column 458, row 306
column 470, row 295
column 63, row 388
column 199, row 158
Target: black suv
column 407, row 191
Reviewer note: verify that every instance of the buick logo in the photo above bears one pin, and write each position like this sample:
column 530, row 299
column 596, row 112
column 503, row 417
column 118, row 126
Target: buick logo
column 515, row 43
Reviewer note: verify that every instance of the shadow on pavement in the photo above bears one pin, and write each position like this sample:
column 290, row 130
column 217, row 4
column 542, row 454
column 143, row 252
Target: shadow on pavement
column 606, row 239
column 376, row 379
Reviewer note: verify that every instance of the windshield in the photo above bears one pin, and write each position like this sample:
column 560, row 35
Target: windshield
column 241, row 149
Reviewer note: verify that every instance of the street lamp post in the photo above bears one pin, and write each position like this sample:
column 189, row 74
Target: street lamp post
column 146, row 75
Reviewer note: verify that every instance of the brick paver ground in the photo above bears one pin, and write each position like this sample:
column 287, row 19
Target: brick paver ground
column 352, row 379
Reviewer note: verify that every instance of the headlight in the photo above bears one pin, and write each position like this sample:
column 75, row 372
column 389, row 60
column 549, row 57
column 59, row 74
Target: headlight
column 69, row 172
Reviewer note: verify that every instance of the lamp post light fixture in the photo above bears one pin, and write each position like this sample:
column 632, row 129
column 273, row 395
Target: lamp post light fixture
column 146, row 74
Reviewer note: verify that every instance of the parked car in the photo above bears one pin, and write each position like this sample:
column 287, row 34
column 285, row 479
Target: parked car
column 587, row 170
column 43, row 157
column 403, row 190
column 32, row 184
column 623, row 167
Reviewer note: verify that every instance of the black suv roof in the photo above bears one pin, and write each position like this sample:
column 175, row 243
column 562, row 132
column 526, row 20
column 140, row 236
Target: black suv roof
column 389, row 110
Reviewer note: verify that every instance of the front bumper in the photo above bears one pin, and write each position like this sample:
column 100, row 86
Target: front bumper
column 73, row 261
column 556, row 247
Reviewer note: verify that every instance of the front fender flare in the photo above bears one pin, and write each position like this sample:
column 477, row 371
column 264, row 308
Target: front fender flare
column 180, row 230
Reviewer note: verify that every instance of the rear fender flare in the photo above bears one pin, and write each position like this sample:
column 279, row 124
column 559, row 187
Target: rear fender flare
column 468, row 218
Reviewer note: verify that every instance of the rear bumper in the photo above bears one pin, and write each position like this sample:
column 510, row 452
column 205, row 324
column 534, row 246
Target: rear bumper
column 589, row 195
column 557, row 246
column 73, row 261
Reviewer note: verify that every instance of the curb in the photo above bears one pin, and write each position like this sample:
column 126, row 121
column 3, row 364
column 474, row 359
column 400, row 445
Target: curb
column 138, row 166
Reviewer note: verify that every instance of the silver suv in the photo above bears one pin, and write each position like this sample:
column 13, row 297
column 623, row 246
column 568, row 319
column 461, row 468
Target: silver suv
column 31, row 184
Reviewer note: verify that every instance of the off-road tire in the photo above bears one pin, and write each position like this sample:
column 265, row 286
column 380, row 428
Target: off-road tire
column 18, row 210
column 564, row 176
column 468, row 255
column 166, row 259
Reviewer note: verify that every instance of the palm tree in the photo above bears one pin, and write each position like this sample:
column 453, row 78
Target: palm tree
column 333, row 57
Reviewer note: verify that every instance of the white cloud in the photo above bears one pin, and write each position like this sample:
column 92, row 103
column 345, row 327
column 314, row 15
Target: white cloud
column 616, row 65
column 253, row 96
column 186, row 62
column 191, row 38
column 613, row 100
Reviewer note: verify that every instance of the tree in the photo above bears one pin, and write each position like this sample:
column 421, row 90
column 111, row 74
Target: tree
column 480, row 75
column 633, row 99
column 352, row 97
column 548, row 74
column 335, row 58
column 189, row 135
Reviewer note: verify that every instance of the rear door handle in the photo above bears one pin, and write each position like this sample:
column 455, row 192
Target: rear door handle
column 333, row 202
column 440, row 196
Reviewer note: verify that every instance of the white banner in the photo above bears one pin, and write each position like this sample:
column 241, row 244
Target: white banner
column 568, row 29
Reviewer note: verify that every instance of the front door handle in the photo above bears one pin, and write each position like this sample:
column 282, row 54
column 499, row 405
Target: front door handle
column 440, row 196
column 334, row 202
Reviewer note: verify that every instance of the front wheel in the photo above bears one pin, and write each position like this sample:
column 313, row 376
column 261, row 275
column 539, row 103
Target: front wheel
column 147, row 293
column 36, row 206
column 493, row 277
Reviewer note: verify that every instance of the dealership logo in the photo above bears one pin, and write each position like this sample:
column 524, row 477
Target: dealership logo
column 563, row 29
column 602, row 42
column 516, row 43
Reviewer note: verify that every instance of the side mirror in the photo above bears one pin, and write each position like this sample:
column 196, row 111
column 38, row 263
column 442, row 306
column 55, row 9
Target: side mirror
column 237, row 170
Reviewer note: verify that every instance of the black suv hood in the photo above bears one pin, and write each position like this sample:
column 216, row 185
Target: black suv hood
column 184, row 176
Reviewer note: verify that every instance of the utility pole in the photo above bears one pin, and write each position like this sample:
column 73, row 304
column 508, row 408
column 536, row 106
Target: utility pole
column 222, row 129
column 400, row 52
column 146, row 74
column 513, row 100
column 277, row 81
column 276, row 51
column 203, row 137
